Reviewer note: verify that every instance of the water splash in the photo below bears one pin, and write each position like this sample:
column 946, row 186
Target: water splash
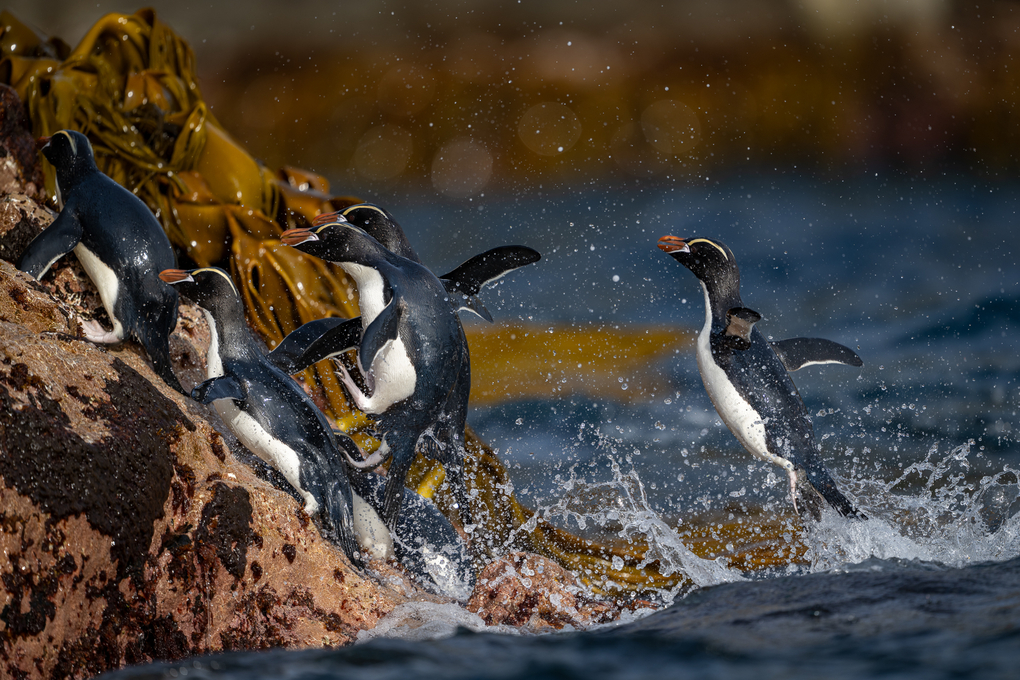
column 937, row 510
column 620, row 506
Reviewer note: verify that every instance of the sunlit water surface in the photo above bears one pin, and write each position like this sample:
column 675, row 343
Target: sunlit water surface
column 919, row 276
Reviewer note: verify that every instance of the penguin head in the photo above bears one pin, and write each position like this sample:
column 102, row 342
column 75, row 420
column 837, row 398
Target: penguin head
column 380, row 225
column 70, row 153
column 711, row 261
column 209, row 287
column 336, row 241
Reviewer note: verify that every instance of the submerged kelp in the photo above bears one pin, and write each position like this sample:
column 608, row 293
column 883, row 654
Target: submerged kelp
column 130, row 86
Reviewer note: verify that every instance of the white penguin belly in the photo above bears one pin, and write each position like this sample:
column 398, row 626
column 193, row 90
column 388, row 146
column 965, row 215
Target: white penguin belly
column 373, row 535
column 265, row 446
column 742, row 420
column 392, row 376
column 106, row 282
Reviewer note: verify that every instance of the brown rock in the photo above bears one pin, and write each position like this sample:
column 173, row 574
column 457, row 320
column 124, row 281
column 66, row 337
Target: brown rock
column 523, row 589
column 128, row 530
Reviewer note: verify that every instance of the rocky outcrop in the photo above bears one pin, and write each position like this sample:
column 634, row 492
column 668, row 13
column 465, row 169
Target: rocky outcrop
column 131, row 530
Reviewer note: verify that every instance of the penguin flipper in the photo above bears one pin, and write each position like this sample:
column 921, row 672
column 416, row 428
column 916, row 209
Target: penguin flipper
column 331, row 488
column 402, row 447
column 224, row 387
column 55, row 241
column 739, row 324
column 383, row 329
column 315, row 341
column 481, row 270
column 796, row 353
column 470, row 303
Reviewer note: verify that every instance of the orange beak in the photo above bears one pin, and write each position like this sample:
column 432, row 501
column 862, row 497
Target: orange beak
column 293, row 237
column 175, row 275
column 673, row 244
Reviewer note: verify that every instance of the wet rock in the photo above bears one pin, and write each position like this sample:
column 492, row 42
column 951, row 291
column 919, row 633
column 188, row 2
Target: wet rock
column 129, row 531
column 523, row 589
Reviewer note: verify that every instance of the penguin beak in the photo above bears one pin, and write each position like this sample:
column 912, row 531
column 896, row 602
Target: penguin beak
column 295, row 237
column 326, row 218
column 673, row 244
column 175, row 275
column 42, row 143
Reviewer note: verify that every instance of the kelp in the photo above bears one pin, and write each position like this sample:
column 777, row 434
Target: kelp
column 130, row 86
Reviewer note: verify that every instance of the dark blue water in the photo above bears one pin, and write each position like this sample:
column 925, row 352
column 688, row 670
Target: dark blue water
column 920, row 276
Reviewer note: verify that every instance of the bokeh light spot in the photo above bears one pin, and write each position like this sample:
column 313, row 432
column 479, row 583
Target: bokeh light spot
column 461, row 168
column 671, row 127
column 549, row 128
column 383, row 152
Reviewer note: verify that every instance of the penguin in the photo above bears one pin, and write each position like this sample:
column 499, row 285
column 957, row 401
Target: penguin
column 748, row 381
column 119, row 243
column 464, row 282
column 326, row 338
column 271, row 415
column 424, row 542
column 411, row 350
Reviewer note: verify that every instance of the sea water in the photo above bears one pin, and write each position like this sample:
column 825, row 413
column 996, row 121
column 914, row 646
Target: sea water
column 919, row 276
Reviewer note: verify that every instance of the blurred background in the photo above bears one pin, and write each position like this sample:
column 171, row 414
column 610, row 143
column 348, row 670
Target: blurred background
column 859, row 157
column 470, row 97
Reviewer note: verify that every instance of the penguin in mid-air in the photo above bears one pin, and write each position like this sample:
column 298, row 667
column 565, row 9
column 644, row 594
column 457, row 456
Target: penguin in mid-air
column 326, row 338
column 269, row 412
column 747, row 377
column 119, row 243
column 411, row 348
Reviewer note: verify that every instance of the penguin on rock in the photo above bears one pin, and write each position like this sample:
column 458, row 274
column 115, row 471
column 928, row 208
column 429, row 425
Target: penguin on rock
column 748, row 381
column 326, row 338
column 121, row 246
column 271, row 415
column 411, row 349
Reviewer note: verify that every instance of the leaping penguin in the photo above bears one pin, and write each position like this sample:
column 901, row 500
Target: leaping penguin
column 747, row 378
column 327, row 338
column 119, row 243
column 411, row 349
column 269, row 413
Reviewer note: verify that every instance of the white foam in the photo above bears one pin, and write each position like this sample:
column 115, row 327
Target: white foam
column 418, row 621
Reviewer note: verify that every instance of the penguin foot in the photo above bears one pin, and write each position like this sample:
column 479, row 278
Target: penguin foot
column 95, row 332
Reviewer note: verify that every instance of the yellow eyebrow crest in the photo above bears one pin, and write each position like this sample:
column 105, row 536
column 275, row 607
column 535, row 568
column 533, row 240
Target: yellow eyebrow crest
column 364, row 207
column 216, row 270
column 74, row 144
column 711, row 243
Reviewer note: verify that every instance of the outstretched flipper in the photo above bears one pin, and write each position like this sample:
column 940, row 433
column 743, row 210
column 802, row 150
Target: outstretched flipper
column 470, row 277
column 55, row 241
column 315, row 341
column 796, row 353
column 224, row 387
